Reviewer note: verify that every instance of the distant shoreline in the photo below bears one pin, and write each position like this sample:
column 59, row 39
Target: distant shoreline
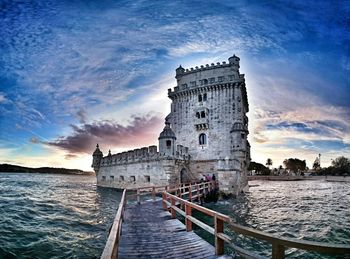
column 8, row 168
column 328, row 178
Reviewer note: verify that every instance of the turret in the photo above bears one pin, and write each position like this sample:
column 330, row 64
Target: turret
column 234, row 61
column 96, row 159
column 179, row 72
column 239, row 134
column 167, row 140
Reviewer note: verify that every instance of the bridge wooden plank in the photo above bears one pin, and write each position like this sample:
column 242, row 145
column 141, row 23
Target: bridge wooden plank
column 149, row 232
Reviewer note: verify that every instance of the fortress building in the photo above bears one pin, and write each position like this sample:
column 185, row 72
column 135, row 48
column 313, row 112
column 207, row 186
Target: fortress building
column 205, row 133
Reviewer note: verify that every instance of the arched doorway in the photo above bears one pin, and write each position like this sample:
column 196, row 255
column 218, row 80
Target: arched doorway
column 183, row 176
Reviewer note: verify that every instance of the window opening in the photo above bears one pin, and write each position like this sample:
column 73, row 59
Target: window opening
column 204, row 97
column 202, row 139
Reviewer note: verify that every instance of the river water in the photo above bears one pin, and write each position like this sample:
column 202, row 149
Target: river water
column 54, row 216
column 67, row 216
column 310, row 210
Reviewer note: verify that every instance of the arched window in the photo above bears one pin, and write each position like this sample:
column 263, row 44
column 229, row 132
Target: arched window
column 205, row 81
column 204, row 97
column 202, row 139
column 168, row 144
column 202, row 114
column 198, row 115
column 199, row 98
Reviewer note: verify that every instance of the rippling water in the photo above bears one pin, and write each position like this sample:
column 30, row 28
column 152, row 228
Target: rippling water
column 54, row 216
column 67, row 216
column 310, row 210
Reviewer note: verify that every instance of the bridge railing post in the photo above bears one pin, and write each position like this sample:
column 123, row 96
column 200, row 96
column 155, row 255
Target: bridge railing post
column 172, row 211
column 190, row 193
column 198, row 193
column 219, row 243
column 188, row 210
column 277, row 251
column 138, row 196
column 164, row 198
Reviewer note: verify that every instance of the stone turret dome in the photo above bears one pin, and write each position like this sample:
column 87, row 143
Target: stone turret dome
column 167, row 132
column 97, row 151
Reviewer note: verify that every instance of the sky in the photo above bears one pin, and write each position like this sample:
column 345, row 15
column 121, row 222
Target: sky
column 74, row 73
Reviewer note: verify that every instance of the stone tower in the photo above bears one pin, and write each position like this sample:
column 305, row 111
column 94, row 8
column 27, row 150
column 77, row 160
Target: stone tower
column 208, row 114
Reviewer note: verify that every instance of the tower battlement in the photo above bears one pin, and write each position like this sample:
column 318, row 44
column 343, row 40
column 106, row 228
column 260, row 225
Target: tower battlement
column 208, row 75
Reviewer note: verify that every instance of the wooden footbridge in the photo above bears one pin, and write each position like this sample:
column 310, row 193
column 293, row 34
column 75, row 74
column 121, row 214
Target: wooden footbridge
column 149, row 229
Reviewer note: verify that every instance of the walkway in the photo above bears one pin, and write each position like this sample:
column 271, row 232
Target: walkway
column 149, row 232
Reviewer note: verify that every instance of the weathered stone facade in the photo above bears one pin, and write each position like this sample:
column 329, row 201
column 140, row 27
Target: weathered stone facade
column 205, row 133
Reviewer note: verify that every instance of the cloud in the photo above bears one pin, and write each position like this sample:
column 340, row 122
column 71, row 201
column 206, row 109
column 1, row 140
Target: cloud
column 305, row 131
column 63, row 61
column 70, row 156
column 34, row 140
column 110, row 134
column 3, row 98
column 82, row 116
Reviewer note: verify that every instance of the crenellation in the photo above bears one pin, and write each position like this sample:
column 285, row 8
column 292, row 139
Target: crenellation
column 152, row 150
column 144, row 152
column 130, row 155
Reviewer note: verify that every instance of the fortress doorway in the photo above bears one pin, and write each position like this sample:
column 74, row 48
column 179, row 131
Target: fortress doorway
column 184, row 176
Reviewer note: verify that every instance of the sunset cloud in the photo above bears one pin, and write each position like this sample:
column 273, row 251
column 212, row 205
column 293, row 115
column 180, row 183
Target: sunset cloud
column 94, row 72
column 109, row 134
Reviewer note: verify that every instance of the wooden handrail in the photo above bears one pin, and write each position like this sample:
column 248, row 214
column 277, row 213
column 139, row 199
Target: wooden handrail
column 111, row 248
column 279, row 244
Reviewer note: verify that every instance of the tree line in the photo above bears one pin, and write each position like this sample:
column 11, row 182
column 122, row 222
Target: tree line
column 339, row 166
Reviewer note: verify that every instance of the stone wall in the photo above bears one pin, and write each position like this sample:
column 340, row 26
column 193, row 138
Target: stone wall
column 133, row 175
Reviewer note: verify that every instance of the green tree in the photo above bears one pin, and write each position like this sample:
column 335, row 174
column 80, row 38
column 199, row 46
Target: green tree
column 341, row 165
column 295, row 164
column 258, row 168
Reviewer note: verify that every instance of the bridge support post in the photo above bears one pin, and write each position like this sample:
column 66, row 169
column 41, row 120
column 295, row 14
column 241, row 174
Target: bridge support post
column 219, row 243
column 138, row 196
column 277, row 251
column 154, row 193
column 188, row 211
